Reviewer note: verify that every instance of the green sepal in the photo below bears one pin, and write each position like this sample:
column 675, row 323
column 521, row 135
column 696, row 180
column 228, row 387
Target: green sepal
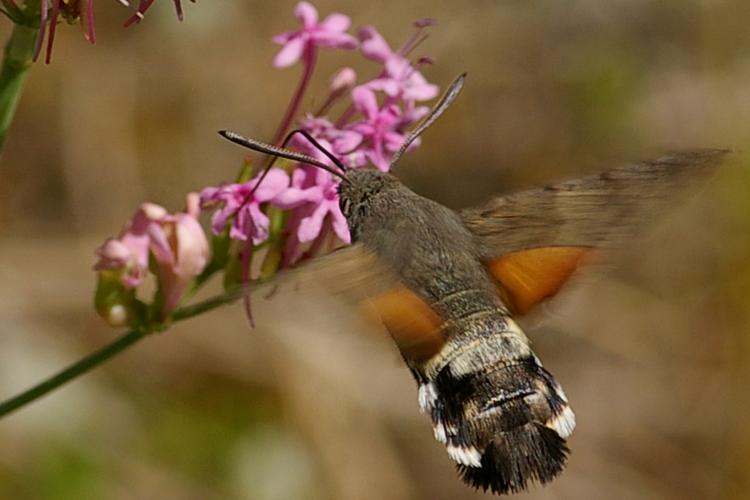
column 115, row 303
column 233, row 268
column 274, row 256
column 246, row 172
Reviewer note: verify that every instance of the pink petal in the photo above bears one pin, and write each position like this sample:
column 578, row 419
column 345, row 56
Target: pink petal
column 343, row 79
column 378, row 160
column 337, row 23
column 274, row 183
column 138, row 245
column 289, row 53
column 393, row 140
column 160, row 246
column 306, row 14
column 192, row 247
column 260, row 221
column 241, row 224
column 299, row 176
column 355, row 159
column 421, row 92
column 414, row 114
column 347, row 141
column 365, row 102
column 219, row 218
column 398, row 67
column 294, row 197
column 192, row 204
column 112, row 254
column 209, row 196
column 335, row 40
column 340, row 226
column 388, row 85
column 323, row 179
column 363, row 128
column 283, row 38
column 153, row 211
column 373, row 45
column 309, row 227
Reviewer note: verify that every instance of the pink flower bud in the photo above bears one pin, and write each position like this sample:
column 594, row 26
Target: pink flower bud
column 177, row 242
column 343, row 80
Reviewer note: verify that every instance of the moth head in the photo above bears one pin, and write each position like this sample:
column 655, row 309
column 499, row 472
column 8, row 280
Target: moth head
column 356, row 196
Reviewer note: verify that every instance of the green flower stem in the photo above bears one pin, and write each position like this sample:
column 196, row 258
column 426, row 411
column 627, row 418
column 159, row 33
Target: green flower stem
column 71, row 372
column 98, row 357
column 19, row 52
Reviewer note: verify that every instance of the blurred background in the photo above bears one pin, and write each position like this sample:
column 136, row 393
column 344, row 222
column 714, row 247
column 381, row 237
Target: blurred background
column 654, row 354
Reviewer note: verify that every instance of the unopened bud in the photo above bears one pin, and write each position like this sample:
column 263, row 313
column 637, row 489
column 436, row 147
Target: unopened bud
column 115, row 303
column 343, row 80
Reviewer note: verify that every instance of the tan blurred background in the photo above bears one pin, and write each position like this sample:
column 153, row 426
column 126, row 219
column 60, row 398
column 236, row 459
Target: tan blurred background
column 654, row 355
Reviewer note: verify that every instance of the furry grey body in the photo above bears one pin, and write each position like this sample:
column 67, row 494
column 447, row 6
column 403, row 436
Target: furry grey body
column 500, row 414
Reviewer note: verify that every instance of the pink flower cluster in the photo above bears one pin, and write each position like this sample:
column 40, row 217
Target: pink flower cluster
column 176, row 241
column 370, row 129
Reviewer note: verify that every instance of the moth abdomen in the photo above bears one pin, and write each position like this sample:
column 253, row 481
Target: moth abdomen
column 529, row 453
column 502, row 417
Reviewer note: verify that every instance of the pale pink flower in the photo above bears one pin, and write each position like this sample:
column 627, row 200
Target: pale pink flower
column 329, row 33
column 129, row 251
column 177, row 242
column 180, row 249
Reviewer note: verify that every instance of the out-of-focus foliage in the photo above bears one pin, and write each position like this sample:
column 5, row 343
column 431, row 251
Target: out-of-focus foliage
column 654, row 354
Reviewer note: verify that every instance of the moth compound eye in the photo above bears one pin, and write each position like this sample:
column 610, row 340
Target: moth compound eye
column 344, row 205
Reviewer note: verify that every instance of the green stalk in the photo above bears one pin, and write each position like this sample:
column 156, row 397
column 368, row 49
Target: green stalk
column 19, row 52
column 98, row 357
column 76, row 369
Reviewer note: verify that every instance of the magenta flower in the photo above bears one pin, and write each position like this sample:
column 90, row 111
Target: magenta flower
column 329, row 33
column 315, row 193
column 242, row 203
column 400, row 78
column 177, row 242
column 343, row 143
column 380, row 128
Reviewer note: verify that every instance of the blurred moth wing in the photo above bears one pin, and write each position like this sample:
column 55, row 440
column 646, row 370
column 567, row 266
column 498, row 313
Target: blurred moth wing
column 602, row 210
column 532, row 241
column 362, row 281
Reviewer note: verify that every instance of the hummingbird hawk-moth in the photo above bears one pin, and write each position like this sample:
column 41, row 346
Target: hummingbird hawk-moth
column 448, row 284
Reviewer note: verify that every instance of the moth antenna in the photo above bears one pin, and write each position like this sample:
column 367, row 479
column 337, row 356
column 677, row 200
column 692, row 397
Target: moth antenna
column 445, row 101
column 269, row 149
column 283, row 145
column 318, row 146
